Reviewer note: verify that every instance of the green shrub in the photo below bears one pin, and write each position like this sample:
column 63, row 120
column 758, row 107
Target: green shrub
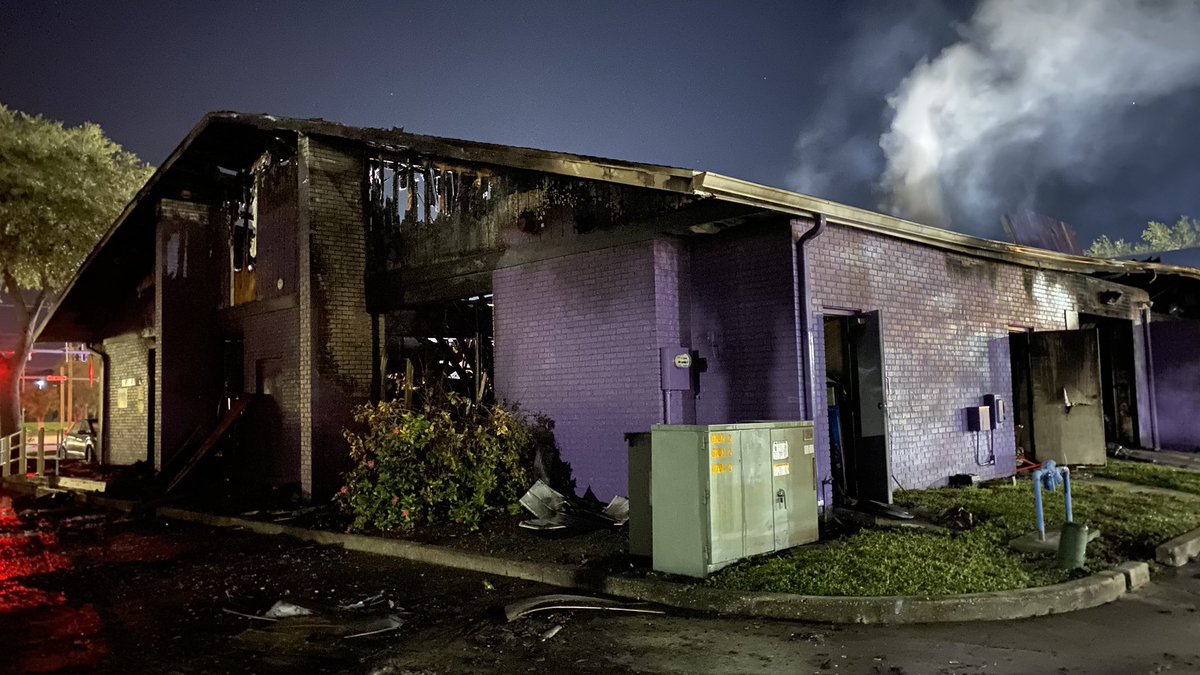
column 451, row 461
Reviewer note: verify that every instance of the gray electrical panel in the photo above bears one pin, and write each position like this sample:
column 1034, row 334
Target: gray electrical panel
column 721, row 493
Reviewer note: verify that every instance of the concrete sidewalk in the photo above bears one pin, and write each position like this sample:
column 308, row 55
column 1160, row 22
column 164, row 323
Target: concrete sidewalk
column 1182, row 460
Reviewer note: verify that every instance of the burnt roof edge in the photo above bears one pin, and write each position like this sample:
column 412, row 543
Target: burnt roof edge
column 654, row 176
column 733, row 189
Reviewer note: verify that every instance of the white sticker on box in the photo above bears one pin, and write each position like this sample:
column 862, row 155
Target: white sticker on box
column 809, row 449
column 779, row 450
column 781, row 469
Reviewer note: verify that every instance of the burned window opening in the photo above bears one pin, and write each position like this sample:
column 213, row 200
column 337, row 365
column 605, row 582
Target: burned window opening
column 447, row 345
column 424, row 211
column 408, row 194
column 239, row 206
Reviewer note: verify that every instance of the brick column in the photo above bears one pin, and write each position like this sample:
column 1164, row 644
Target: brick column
column 335, row 328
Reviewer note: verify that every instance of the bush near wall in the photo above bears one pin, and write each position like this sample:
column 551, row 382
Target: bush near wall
column 450, row 461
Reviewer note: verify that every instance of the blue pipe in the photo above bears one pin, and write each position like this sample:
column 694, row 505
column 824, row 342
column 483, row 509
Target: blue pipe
column 1039, row 476
column 1066, row 474
column 1037, row 500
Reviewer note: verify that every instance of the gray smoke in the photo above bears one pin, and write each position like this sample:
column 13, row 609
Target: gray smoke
column 838, row 153
column 1033, row 90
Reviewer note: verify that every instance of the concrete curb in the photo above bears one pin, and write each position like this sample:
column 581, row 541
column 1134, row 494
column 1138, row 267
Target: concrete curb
column 1070, row 596
column 1178, row 551
column 1137, row 573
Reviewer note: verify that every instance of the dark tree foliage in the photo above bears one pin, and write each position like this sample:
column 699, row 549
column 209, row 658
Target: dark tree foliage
column 60, row 189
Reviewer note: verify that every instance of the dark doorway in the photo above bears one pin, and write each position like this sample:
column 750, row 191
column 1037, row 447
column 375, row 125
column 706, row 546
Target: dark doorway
column 1056, row 395
column 268, row 454
column 233, row 354
column 151, row 420
column 1022, row 394
column 857, row 408
column 1117, row 377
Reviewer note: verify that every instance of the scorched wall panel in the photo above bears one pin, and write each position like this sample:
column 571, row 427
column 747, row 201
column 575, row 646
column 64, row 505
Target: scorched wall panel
column 946, row 320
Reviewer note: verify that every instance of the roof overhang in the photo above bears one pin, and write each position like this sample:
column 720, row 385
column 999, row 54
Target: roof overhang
column 733, row 189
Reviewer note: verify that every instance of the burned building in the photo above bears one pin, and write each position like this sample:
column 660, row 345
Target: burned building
column 1174, row 336
column 302, row 265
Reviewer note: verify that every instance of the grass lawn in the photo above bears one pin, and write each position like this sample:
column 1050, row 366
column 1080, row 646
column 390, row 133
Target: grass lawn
column 974, row 557
column 1153, row 475
column 51, row 428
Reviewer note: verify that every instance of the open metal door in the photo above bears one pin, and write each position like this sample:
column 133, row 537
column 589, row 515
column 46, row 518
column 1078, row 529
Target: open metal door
column 1068, row 410
column 873, row 465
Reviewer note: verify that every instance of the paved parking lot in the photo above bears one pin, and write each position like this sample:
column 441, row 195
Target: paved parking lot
column 83, row 591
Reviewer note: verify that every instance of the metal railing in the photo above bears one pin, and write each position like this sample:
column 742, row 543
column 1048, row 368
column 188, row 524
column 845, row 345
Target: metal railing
column 16, row 458
column 12, row 454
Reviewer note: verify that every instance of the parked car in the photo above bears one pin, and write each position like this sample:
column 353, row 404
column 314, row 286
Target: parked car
column 80, row 441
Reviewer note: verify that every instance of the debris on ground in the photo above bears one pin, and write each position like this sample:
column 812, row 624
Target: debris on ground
column 617, row 510
column 377, row 600
column 959, row 518
column 815, row 638
column 384, row 624
column 886, row 510
column 246, row 615
column 547, row 505
column 283, row 610
column 554, row 511
column 294, row 626
column 560, row 601
column 282, row 515
column 311, row 634
column 552, row 632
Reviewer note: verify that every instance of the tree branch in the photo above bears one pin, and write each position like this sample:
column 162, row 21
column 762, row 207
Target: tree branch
column 14, row 290
column 34, row 316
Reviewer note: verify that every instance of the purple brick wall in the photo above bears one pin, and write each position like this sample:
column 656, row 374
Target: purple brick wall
column 1177, row 383
column 946, row 319
column 672, row 300
column 576, row 340
column 743, row 316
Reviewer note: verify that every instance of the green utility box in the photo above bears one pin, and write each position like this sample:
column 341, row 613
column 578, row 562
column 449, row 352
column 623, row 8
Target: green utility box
column 720, row 493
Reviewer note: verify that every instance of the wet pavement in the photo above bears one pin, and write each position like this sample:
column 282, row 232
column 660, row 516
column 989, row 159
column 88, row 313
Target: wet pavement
column 83, row 591
column 86, row 591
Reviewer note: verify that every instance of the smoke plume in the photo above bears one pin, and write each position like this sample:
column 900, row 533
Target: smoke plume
column 838, row 151
column 1032, row 91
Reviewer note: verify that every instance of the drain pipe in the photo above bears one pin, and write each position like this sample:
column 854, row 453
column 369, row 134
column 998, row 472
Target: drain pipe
column 806, row 344
column 1151, row 394
column 805, row 302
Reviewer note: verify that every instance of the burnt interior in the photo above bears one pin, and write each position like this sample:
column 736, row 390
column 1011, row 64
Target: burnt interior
column 1117, row 377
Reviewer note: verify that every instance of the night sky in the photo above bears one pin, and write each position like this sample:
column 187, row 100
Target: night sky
column 726, row 87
